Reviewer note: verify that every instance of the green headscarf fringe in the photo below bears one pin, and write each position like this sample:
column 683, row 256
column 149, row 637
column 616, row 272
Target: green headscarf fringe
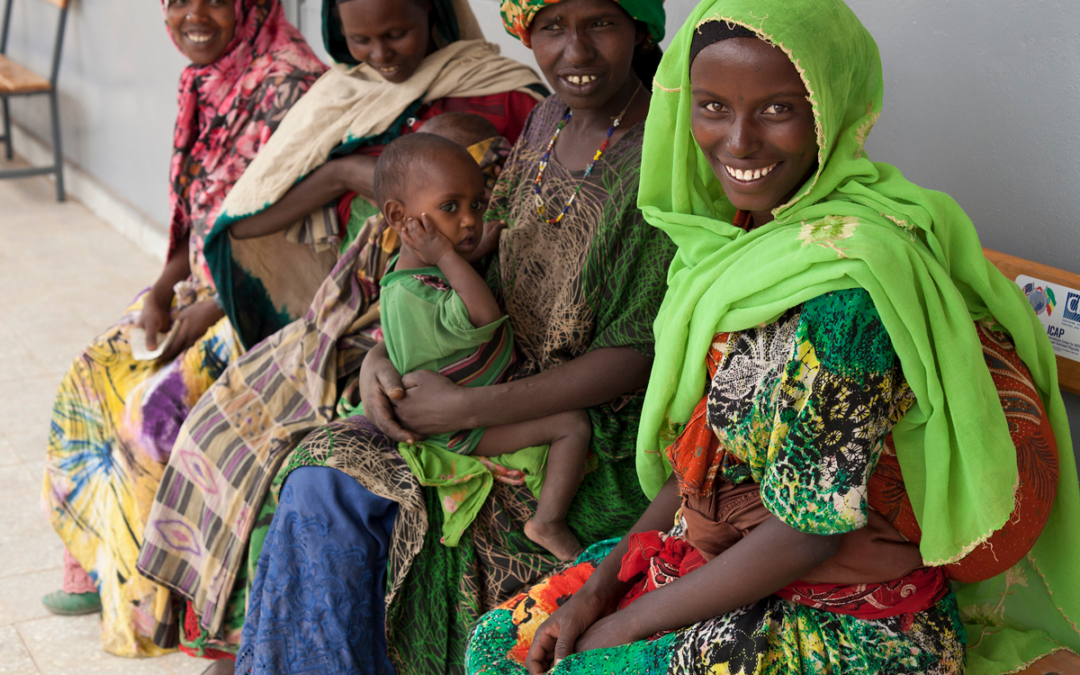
column 858, row 223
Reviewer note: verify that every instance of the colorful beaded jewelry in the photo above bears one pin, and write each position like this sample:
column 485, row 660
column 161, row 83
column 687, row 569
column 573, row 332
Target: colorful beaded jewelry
column 540, row 208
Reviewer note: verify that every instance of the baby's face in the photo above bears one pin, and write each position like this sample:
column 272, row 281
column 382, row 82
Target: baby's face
column 452, row 196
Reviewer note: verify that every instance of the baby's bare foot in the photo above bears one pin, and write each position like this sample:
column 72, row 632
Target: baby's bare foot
column 555, row 537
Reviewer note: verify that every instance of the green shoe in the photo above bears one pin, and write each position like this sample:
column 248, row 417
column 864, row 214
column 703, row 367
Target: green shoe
column 72, row 604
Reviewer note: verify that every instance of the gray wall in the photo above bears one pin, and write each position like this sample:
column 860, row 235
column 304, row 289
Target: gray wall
column 982, row 101
column 118, row 92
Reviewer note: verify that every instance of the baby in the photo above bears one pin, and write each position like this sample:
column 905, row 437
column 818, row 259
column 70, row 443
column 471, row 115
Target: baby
column 437, row 312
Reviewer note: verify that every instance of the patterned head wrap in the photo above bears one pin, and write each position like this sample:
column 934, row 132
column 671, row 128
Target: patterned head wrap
column 518, row 15
column 227, row 110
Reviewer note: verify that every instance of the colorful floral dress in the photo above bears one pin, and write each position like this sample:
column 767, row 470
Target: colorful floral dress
column 801, row 407
column 115, row 418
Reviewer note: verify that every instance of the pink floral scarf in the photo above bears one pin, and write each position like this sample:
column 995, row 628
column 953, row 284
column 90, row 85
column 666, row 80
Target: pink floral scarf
column 227, row 111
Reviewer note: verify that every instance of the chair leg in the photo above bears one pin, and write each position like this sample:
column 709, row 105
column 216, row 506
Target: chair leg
column 58, row 154
column 9, row 152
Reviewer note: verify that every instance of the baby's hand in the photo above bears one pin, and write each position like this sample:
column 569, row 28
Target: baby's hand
column 489, row 240
column 424, row 240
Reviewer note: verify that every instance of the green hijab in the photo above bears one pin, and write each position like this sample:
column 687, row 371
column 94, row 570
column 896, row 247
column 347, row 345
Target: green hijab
column 858, row 223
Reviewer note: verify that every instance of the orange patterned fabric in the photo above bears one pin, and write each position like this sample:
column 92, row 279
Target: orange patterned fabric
column 1037, row 462
column 696, row 456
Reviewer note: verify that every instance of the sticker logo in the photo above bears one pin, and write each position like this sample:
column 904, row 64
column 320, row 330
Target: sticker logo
column 1042, row 299
column 1072, row 308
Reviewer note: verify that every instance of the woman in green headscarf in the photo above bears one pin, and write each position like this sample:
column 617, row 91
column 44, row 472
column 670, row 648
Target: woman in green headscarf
column 827, row 309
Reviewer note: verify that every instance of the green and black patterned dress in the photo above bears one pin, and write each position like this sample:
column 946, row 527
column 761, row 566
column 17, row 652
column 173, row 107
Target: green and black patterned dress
column 593, row 281
column 801, row 406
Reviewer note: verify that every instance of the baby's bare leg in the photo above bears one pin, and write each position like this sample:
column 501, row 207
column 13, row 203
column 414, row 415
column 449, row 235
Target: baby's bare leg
column 568, row 434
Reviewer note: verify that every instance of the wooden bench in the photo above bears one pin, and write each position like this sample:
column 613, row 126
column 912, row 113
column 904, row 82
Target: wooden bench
column 1063, row 662
column 18, row 80
column 1012, row 267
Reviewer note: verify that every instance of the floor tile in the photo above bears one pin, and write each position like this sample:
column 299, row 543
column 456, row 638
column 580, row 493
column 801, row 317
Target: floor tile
column 14, row 657
column 82, row 651
column 20, row 596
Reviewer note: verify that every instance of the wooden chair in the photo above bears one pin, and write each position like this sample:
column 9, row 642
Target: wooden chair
column 17, row 80
column 1063, row 662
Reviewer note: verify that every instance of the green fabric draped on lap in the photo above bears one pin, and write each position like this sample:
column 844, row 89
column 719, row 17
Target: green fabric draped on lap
column 858, row 223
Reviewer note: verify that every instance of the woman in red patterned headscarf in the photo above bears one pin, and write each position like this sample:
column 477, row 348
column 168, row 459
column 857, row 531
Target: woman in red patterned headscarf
column 117, row 412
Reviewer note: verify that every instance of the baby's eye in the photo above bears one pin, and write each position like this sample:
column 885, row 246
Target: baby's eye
column 449, row 207
column 478, row 205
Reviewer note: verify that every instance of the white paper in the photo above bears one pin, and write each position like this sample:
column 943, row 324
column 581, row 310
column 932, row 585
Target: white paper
column 1058, row 307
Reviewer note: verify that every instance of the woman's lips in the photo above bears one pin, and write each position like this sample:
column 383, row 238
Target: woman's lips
column 387, row 70
column 580, row 83
column 200, row 37
column 749, row 176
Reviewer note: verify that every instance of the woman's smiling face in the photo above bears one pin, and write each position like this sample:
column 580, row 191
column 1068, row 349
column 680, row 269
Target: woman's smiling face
column 202, row 29
column 753, row 122
column 391, row 36
column 585, row 49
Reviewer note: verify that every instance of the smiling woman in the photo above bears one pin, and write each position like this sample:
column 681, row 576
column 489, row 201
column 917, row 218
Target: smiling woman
column 116, row 416
column 202, row 29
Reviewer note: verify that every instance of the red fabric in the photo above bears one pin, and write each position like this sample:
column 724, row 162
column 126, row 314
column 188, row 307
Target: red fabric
column 916, row 592
column 507, row 111
column 193, row 634
column 662, row 559
column 228, row 109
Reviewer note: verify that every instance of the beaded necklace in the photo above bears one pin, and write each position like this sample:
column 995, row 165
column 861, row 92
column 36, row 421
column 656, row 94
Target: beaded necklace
column 540, row 208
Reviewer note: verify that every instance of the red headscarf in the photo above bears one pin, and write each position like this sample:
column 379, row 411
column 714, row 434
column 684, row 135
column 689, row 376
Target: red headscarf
column 227, row 110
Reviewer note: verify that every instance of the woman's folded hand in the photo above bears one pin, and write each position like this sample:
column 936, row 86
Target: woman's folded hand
column 380, row 383
column 555, row 639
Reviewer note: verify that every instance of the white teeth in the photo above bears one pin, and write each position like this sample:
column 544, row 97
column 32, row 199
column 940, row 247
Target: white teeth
column 749, row 175
column 580, row 79
column 198, row 39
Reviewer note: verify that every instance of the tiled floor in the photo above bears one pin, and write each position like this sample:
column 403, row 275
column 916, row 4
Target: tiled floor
column 64, row 276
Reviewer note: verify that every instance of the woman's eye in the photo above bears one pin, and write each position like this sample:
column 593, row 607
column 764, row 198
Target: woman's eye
column 601, row 24
column 449, row 207
column 776, row 109
column 358, row 40
column 396, row 35
column 713, row 107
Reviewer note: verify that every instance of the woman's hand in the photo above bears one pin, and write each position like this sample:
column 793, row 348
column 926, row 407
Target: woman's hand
column 380, row 385
column 194, row 322
column 154, row 318
column 432, row 404
column 614, row 630
column 556, row 637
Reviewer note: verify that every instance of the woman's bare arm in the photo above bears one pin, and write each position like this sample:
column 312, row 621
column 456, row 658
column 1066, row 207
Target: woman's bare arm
column 328, row 182
column 435, row 404
column 432, row 404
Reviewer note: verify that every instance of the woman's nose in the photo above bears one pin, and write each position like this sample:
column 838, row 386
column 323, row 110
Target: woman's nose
column 579, row 50
column 741, row 137
column 199, row 11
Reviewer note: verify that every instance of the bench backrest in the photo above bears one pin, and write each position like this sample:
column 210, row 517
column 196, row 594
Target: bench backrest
column 1013, row 267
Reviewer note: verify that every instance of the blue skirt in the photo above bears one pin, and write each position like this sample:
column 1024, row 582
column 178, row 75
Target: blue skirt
column 317, row 601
